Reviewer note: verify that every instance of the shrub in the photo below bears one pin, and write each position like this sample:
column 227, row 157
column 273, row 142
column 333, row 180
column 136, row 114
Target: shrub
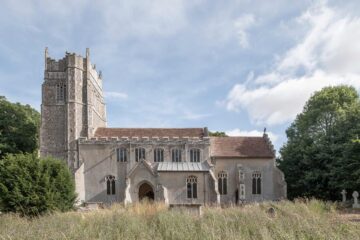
column 32, row 186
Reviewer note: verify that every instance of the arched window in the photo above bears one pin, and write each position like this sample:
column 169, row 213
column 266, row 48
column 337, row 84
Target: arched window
column 61, row 92
column 191, row 185
column 176, row 155
column 256, row 183
column 139, row 154
column 121, row 155
column 158, row 155
column 194, row 155
column 110, row 185
column 222, row 183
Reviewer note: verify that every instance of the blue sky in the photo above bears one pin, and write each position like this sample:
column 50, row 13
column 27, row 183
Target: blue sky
column 233, row 66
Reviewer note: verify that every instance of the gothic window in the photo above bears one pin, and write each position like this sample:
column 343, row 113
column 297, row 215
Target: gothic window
column 222, row 183
column 242, row 191
column 110, row 185
column 176, row 155
column 60, row 92
column 121, row 154
column 194, row 155
column 139, row 154
column 256, row 183
column 158, row 155
column 191, row 185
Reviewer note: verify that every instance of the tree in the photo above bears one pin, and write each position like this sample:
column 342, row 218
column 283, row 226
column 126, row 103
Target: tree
column 217, row 134
column 19, row 128
column 32, row 186
column 321, row 155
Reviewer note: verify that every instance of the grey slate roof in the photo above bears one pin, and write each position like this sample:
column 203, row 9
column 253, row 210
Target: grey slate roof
column 183, row 167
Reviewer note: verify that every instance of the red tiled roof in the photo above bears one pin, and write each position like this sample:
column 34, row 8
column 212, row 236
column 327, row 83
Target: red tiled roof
column 149, row 132
column 244, row 147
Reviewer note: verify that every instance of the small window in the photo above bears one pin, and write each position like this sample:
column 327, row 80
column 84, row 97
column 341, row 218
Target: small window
column 191, row 185
column 110, row 185
column 222, row 183
column 256, row 183
column 158, row 155
column 194, row 155
column 60, row 92
column 121, row 154
column 139, row 154
column 176, row 155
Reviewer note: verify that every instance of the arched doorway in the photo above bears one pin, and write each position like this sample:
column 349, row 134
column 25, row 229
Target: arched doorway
column 146, row 192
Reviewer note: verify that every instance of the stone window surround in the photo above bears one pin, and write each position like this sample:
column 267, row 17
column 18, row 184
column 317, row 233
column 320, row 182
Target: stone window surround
column 158, row 154
column 140, row 154
column 121, row 154
column 222, row 182
column 256, row 183
column 60, row 92
column 110, row 185
column 176, row 154
column 195, row 154
column 191, row 187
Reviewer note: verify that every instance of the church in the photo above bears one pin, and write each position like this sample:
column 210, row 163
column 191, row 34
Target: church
column 177, row 166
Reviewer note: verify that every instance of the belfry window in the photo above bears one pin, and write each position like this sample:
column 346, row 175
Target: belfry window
column 194, row 155
column 191, row 185
column 176, row 155
column 110, row 185
column 222, row 183
column 60, row 92
column 139, row 154
column 158, row 155
column 121, row 155
column 256, row 183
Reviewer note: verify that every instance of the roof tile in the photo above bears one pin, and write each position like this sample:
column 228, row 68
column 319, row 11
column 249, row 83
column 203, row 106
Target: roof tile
column 244, row 147
column 149, row 132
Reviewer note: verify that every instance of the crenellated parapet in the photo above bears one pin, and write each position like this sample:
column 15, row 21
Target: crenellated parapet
column 205, row 141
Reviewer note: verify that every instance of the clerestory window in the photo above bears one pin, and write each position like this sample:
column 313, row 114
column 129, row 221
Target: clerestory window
column 158, row 155
column 139, row 154
column 121, row 154
column 194, row 155
column 176, row 155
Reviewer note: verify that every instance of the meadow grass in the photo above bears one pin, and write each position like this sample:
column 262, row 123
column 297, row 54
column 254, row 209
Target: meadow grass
column 310, row 219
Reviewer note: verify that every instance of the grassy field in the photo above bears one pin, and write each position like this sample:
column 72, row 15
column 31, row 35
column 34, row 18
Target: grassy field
column 300, row 220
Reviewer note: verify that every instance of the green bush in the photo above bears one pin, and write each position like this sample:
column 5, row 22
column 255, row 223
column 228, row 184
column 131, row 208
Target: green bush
column 19, row 128
column 32, row 186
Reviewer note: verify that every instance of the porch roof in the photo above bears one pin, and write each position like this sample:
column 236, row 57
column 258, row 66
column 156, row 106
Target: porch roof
column 183, row 167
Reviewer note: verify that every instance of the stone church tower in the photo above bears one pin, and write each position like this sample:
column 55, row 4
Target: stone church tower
column 72, row 106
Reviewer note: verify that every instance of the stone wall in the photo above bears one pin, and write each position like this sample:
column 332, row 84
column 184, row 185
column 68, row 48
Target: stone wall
column 99, row 158
column 269, row 176
column 63, row 122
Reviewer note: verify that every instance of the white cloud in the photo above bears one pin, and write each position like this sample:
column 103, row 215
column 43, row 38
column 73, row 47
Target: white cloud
column 116, row 95
column 251, row 133
column 328, row 55
column 194, row 116
column 242, row 24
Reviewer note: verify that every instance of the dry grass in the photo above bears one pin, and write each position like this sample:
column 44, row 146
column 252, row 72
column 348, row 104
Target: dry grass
column 300, row 220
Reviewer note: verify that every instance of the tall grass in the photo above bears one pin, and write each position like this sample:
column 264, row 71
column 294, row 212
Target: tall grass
column 292, row 220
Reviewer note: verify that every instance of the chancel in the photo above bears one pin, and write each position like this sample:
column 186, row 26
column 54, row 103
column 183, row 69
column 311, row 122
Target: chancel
column 177, row 166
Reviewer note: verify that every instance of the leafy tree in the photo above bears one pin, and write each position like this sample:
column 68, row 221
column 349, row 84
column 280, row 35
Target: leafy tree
column 19, row 128
column 217, row 134
column 32, row 186
column 322, row 155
